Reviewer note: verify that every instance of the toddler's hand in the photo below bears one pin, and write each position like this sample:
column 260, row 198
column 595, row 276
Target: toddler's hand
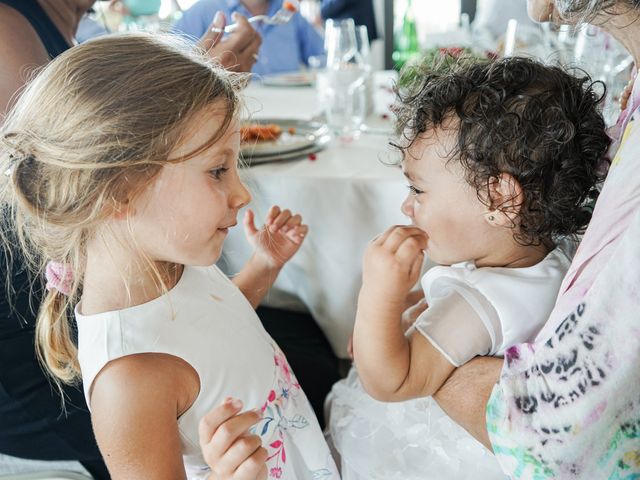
column 392, row 264
column 228, row 448
column 279, row 238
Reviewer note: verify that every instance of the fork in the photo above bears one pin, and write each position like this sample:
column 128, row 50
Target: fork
column 282, row 16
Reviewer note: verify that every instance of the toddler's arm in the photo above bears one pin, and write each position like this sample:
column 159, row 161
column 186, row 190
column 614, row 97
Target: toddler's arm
column 274, row 244
column 394, row 365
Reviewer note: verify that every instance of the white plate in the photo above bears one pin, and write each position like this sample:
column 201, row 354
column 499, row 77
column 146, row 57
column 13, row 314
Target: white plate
column 306, row 136
column 293, row 79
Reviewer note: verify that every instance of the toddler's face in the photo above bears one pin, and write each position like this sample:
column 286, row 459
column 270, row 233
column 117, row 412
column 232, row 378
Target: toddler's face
column 184, row 215
column 442, row 203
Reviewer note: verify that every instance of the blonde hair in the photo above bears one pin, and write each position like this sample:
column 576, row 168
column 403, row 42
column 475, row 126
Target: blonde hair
column 91, row 130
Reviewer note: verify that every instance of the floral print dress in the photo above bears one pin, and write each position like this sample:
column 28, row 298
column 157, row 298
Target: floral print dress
column 206, row 321
column 567, row 406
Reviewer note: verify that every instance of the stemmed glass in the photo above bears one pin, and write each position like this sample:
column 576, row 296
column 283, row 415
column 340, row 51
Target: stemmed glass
column 346, row 74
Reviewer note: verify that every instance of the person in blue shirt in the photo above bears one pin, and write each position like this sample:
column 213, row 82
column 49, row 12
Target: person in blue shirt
column 284, row 47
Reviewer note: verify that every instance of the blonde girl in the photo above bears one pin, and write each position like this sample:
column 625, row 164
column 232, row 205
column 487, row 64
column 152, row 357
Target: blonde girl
column 121, row 184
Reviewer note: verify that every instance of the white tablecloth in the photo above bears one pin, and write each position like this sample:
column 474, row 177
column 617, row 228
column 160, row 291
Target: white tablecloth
column 346, row 196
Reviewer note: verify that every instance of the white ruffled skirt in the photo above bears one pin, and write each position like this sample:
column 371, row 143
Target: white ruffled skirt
column 412, row 440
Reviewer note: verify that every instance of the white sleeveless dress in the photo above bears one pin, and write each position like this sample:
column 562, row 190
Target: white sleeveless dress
column 415, row 439
column 206, row 321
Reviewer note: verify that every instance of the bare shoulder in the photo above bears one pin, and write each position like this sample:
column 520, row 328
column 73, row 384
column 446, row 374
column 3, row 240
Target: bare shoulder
column 135, row 404
column 21, row 52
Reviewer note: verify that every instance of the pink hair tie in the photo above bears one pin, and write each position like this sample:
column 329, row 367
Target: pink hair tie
column 59, row 276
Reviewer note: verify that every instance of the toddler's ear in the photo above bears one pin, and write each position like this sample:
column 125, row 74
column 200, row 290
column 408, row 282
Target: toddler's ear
column 505, row 200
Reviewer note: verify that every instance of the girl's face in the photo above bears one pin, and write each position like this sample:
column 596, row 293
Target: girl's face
column 184, row 215
column 442, row 203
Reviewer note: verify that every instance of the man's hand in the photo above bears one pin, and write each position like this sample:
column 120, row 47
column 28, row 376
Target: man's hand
column 237, row 52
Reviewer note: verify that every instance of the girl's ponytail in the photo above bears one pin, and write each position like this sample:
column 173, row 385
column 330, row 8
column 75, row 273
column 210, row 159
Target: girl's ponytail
column 54, row 338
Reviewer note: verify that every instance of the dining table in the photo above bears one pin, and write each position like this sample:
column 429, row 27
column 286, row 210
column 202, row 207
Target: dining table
column 347, row 193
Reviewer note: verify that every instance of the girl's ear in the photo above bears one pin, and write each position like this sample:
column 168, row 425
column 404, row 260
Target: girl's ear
column 121, row 210
column 505, row 198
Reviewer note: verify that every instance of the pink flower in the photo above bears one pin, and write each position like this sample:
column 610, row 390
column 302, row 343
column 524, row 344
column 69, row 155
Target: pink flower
column 272, row 396
column 276, row 472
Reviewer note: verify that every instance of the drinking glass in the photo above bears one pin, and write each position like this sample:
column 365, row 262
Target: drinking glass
column 345, row 93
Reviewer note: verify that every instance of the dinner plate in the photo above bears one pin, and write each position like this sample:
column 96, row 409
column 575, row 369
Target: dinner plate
column 293, row 79
column 298, row 138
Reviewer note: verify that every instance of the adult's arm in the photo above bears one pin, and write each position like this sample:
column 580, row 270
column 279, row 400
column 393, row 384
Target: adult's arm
column 21, row 51
column 465, row 394
column 567, row 406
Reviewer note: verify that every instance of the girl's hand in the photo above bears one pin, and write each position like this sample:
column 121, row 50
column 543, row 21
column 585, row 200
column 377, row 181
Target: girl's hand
column 279, row 238
column 392, row 265
column 228, row 448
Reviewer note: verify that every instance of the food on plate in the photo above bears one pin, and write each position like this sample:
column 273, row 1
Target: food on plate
column 257, row 132
column 291, row 130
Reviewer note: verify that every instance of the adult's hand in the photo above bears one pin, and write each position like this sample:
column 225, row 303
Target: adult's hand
column 228, row 448
column 237, row 52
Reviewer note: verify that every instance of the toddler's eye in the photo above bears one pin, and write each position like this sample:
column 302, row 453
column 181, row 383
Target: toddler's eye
column 414, row 191
column 217, row 173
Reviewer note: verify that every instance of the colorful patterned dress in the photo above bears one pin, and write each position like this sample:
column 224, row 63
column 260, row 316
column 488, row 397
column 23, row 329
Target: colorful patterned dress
column 568, row 405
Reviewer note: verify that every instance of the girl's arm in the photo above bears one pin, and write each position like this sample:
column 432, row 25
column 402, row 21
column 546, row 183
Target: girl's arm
column 274, row 244
column 256, row 278
column 135, row 403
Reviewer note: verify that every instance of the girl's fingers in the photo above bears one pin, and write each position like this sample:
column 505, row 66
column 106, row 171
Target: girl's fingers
column 274, row 211
column 399, row 235
column 293, row 222
column 238, row 453
column 409, row 249
column 280, row 220
column 216, row 417
column 297, row 234
column 253, row 466
column 226, row 433
column 415, row 270
column 249, row 222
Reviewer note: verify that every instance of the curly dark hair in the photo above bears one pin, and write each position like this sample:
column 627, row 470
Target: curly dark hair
column 516, row 115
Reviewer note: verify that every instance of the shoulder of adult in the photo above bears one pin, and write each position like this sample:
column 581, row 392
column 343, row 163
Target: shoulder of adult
column 21, row 51
column 135, row 403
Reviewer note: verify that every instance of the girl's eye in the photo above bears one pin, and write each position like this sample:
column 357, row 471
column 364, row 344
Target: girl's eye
column 217, row 173
column 414, row 191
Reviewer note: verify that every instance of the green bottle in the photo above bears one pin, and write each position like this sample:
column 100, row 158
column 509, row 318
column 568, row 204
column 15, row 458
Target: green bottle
column 405, row 39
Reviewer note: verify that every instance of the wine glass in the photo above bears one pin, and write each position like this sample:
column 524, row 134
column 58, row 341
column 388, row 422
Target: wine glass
column 346, row 74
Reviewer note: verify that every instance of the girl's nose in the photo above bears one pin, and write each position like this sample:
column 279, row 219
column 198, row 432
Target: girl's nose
column 407, row 206
column 240, row 196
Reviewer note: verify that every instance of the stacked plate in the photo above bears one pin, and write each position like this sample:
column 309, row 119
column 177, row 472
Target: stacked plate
column 299, row 138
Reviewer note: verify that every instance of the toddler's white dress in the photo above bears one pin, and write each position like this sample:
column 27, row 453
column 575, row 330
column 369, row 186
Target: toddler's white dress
column 415, row 439
column 206, row 321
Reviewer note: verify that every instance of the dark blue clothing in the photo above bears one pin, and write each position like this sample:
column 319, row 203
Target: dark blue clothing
column 360, row 10
column 51, row 38
column 32, row 423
